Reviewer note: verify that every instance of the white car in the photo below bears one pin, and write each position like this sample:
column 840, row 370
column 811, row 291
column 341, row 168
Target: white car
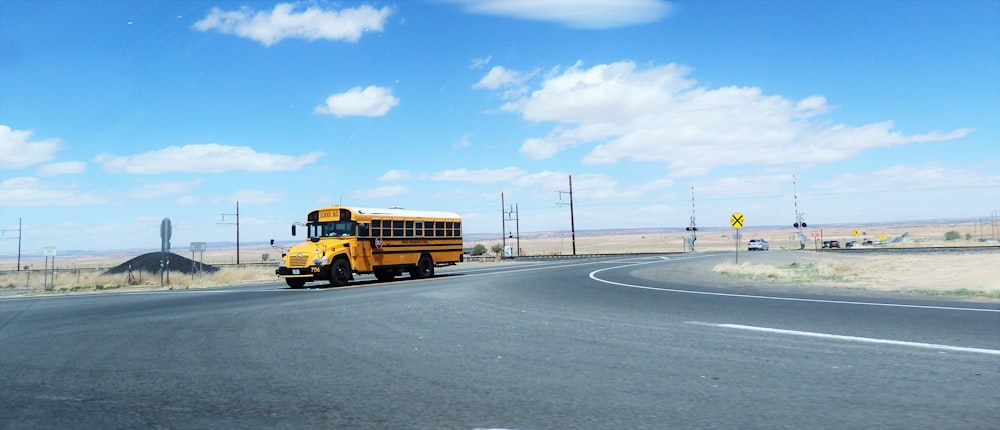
column 757, row 245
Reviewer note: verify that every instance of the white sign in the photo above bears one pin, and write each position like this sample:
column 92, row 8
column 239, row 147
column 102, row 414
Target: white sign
column 50, row 251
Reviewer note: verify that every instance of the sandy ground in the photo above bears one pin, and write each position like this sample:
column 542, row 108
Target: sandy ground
column 978, row 269
column 975, row 274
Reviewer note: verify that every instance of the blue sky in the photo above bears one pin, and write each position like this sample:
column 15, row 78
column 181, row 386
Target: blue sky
column 117, row 114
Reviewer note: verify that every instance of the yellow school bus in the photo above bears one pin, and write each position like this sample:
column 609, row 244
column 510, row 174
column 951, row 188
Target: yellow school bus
column 344, row 241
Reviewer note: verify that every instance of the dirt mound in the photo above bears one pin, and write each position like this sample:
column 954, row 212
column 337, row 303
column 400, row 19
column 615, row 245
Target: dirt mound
column 151, row 263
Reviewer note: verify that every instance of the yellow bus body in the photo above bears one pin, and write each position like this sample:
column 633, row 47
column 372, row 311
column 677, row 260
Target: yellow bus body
column 344, row 241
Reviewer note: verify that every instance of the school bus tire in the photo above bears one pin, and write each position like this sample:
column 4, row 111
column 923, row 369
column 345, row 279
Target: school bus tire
column 424, row 268
column 340, row 272
column 295, row 283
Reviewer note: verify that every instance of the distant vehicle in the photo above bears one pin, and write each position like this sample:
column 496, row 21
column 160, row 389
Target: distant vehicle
column 757, row 245
column 852, row 244
column 834, row 244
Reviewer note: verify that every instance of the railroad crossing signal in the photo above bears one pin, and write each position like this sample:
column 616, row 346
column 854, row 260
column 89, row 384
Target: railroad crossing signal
column 736, row 220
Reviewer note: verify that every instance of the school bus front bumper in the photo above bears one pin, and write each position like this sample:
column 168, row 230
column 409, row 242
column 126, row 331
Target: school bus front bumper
column 309, row 272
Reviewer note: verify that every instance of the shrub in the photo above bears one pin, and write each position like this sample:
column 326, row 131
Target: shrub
column 479, row 249
column 952, row 235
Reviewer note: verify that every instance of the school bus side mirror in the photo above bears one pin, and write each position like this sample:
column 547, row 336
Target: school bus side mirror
column 293, row 229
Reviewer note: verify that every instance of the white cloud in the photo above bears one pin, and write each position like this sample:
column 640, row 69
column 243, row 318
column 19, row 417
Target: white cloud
column 501, row 77
column 65, row 168
column 593, row 186
column 371, row 101
column 479, row 63
column 186, row 201
column 26, row 191
column 479, row 176
column 205, row 158
column 380, row 192
column 545, row 179
column 150, row 191
column 658, row 114
column 17, row 150
column 744, row 186
column 464, row 142
column 396, row 175
column 589, row 14
column 287, row 20
column 925, row 176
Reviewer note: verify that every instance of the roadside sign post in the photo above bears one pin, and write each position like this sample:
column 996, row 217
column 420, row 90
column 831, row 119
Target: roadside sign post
column 200, row 264
column 164, row 249
column 50, row 251
column 737, row 220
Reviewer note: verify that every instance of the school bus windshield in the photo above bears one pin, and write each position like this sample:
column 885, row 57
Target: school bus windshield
column 332, row 229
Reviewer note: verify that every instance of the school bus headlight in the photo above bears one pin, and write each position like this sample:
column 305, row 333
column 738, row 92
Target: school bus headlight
column 320, row 261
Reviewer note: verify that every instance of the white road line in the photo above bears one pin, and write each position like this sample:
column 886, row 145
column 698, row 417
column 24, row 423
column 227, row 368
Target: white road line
column 853, row 338
column 593, row 275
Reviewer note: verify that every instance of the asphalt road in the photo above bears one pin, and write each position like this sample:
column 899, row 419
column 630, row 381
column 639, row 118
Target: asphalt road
column 590, row 344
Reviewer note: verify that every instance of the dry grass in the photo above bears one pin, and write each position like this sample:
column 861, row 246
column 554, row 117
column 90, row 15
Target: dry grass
column 970, row 276
column 90, row 280
column 794, row 272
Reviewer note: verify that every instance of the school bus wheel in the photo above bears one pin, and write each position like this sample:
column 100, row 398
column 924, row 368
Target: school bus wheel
column 424, row 269
column 295, row 283
column 340, row 272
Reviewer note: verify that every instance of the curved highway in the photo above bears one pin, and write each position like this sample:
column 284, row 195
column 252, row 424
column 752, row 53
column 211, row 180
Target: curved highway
column 595, row 343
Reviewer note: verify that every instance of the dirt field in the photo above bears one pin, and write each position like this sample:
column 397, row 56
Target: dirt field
column 965, row 273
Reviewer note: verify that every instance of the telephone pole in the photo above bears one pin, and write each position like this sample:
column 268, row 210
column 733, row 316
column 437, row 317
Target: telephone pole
column 3, row 235
column 572, row 225
column 237, row 214
column 503, row 227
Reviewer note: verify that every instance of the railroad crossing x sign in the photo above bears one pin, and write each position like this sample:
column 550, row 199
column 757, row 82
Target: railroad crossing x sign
column 736, row 220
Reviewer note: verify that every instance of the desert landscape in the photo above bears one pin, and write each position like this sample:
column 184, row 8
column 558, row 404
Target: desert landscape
column 971, row 271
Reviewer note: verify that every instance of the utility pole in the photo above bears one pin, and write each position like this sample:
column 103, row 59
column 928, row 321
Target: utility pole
column 517, row 227
column 237, row 214
column 3, row 235
column 503, row 227
column 572, row 225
